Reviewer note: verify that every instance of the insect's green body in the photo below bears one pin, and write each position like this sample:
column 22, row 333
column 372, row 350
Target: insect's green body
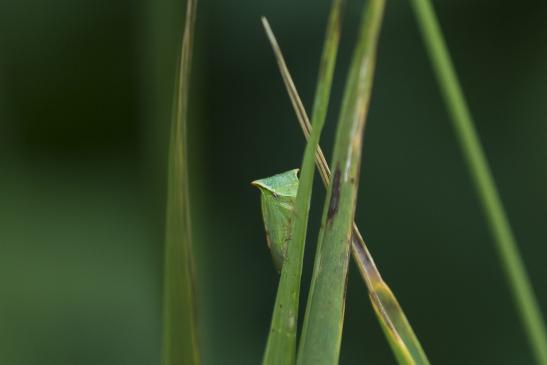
column 278, row 195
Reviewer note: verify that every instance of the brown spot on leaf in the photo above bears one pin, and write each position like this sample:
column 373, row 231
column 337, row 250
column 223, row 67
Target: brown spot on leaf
column 335, row 197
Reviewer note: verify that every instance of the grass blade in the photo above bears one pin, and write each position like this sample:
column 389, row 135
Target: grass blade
column 180, row 343
column 323, row 322
column 281, row 344
column 506, row 245
column 401, row 337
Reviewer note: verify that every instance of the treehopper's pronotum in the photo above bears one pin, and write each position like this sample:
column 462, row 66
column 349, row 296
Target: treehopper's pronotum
column 278, row 195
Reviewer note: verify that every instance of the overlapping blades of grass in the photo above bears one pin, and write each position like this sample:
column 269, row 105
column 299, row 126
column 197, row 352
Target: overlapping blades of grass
column 180, row 343
column 281, row 344
column 399, row 333
column 323, row 322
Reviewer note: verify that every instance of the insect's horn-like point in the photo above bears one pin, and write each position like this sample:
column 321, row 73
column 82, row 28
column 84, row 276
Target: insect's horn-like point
column 257, row 184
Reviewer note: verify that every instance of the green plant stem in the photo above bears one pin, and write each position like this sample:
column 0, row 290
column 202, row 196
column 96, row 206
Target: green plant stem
column 506, row 245
column 281, row 344
column 323, row 321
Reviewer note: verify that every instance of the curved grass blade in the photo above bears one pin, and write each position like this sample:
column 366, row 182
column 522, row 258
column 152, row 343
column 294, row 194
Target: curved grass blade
column 398, row 330
column 180, row 342
column 506, row 244
column 323, row 322
column 281, row 344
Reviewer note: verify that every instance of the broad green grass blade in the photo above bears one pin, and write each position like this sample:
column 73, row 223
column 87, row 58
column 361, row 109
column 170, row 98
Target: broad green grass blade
column 180, row 342
column 506, row 244
column 281, row 344
column 399, row 333
column 323, row 322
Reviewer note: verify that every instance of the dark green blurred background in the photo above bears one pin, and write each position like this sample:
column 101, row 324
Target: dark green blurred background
column 85, row 93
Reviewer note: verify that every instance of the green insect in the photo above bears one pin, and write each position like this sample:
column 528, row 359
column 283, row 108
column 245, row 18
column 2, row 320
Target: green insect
column 278, row 196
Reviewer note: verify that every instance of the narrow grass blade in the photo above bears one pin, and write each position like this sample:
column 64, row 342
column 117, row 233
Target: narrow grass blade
column 323, row 322
column 180, row 343
column 506, row 245
column 281, row 344
column 399, row 333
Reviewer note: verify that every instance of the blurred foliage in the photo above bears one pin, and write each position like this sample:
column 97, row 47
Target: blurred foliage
column 84, row 111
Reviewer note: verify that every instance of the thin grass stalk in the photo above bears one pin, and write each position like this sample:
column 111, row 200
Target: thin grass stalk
column 180, row 339
column 506, row 245
column 281, row 343
column 398, row 330
column 323, row 321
